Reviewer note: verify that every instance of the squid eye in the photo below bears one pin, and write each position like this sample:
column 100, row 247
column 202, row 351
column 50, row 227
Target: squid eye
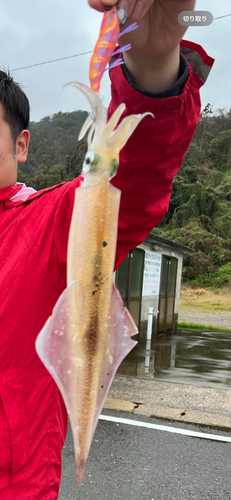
column 90, row 161
column 89, row 158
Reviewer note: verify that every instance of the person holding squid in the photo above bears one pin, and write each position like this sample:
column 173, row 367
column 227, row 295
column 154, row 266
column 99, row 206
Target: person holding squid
column 162, row 74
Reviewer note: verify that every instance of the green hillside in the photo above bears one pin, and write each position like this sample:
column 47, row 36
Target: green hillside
column 200, row 207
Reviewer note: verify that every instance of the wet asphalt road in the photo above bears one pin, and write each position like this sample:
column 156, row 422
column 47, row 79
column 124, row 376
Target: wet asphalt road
column 132, row 463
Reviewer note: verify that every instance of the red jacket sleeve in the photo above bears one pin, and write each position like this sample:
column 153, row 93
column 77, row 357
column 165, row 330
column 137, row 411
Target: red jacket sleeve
column 156, row 150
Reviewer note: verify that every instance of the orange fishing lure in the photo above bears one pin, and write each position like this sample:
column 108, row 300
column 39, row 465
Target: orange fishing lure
column 105, row 47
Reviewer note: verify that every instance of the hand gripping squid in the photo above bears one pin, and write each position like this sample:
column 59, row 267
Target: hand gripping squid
column 89, row 332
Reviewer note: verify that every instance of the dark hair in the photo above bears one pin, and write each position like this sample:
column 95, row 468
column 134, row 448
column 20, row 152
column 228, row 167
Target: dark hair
column 16, row 107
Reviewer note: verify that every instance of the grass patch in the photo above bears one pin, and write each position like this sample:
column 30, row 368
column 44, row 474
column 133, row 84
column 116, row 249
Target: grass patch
column 205, row 300
column 198, row 326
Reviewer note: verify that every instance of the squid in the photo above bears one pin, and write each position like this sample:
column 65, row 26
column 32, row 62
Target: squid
column 90, row 332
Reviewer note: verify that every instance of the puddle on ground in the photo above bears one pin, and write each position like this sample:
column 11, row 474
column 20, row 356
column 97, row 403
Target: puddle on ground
column 197, row 357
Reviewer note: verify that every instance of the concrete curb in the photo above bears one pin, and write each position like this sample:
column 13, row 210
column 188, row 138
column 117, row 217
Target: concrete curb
column 203, row 406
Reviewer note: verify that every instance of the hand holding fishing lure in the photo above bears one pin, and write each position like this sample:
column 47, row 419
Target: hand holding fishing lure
column 89, row 333
column 153, row 61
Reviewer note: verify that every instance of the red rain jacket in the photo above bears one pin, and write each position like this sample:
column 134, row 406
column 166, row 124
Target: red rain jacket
column 33, row 247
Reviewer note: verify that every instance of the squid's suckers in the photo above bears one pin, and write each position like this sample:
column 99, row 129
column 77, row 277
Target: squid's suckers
column 89, row 333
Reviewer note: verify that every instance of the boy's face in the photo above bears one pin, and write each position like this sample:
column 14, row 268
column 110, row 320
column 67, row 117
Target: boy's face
column 10, row 153
column 8, row 160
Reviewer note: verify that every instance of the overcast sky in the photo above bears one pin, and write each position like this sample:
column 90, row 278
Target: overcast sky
column 41, row 30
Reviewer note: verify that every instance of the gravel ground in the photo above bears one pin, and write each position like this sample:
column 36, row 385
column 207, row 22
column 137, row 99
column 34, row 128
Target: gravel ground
column 220, row 319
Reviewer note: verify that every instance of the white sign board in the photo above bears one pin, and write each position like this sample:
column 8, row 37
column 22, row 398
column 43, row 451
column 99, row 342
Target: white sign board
column 152, row 270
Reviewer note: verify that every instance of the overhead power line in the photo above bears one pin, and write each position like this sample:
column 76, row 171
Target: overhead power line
column 77, row 55
column 227, row 15
column 52, row 61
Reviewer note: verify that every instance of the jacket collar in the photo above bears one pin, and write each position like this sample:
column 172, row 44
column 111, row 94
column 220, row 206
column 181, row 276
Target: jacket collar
column 8, row 192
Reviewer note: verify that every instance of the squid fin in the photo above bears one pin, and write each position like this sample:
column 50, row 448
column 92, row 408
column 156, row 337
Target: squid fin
column 84, row 378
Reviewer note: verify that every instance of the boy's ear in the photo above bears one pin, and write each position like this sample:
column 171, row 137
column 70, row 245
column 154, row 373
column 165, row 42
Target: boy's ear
column 22, row 145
